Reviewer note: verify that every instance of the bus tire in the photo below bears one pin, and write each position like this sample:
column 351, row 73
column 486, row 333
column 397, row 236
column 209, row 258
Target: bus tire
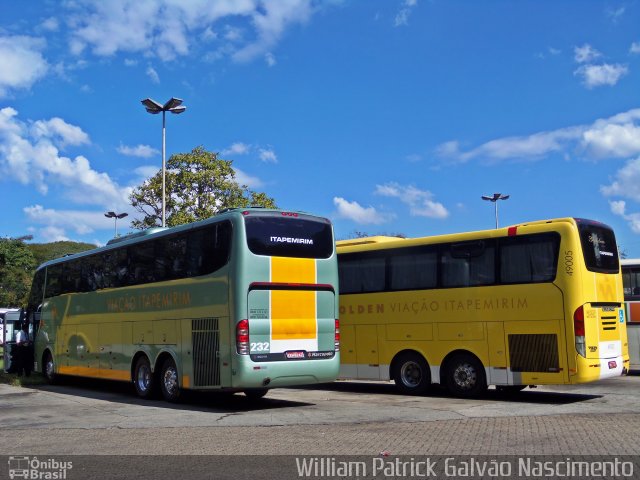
column 411, row 373
column 49, row 368
column 465, row 376
column 143, row 379
column 256, row 393
column 169, row 383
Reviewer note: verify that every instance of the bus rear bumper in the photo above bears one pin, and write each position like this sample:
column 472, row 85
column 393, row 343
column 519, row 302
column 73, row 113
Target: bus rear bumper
column 281, row 374
column 593, row 369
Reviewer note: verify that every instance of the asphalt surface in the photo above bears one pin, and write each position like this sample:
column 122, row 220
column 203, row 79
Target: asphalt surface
column 343, row 418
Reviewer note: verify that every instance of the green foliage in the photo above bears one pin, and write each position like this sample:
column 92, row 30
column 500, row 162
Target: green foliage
column 16, row 270
column 198, row 185
column 43, row 252
column 18, row 262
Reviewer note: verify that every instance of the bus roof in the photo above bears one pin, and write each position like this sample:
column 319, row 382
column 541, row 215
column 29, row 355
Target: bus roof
column 143, row 235
column 630, row 261
column 374, row 243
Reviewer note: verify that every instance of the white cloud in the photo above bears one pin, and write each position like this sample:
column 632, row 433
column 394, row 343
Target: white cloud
column 270, row 59
column 626, row 183
column 359, row 214
column 420, row 202
column 29, row 154
column 613, row 140
column 268, row 155
column 59, row 132
column 270, row 22
column 616, row 14
column 152, row 74
column 238, row 148
column 146, row 171
column 402, row 17
column 599, row 75
column 635, row 47
column 633, row 219
column 57, row 222
column 168, row 29
column 23, row 63
column 616, row 137
column 51, row 24
column 142, row 151
column 618, row 208
column 585, row 53
column 245, row 179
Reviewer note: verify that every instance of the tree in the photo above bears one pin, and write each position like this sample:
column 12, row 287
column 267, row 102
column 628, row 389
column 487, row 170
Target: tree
column 16, row 271
column 43, row 252
column 198, row 185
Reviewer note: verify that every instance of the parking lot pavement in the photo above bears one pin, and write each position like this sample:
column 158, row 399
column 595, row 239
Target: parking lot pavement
column 340, row 418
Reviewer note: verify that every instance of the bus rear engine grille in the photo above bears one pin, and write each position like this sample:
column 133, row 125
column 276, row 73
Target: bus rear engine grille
column 534, row 353
column 206, row 345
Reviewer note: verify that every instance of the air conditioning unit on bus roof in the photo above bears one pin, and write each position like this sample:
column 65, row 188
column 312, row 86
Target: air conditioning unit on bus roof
column 143, row 233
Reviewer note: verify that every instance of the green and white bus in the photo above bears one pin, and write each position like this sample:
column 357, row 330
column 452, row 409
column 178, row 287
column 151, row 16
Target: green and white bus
column 243, row 301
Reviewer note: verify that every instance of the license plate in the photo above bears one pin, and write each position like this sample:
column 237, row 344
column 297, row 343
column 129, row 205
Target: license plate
column 612, row 364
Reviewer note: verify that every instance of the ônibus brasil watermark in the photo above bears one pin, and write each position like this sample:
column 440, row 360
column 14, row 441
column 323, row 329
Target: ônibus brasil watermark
column 41, row 469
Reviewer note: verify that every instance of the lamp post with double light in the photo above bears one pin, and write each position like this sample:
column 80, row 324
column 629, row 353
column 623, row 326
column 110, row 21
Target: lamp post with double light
column 494, row 199
column 116, row 217
column 173, row 105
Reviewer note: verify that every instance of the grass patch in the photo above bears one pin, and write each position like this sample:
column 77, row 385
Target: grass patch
column 16, row 381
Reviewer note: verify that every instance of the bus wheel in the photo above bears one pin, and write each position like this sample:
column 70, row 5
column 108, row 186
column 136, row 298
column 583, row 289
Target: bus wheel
column 465, row 376
column 411, row 374
column 49, row 368
column 256, row 393
column 169, row 384
column 143, row 378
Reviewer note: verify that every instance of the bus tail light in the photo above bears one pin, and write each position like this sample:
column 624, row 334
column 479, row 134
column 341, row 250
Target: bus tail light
column 242, row 337
column 337, row 337
column 578, row 330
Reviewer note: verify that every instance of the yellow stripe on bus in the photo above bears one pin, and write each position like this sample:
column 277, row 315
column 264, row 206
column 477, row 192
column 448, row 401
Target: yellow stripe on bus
column 293, row 312
column 105, row 373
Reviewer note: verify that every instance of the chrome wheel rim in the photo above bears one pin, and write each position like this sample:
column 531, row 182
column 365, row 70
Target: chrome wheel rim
column 170, row 380
column 49, row 368
column 411, row 374
column 144, row 378
column 465, row 376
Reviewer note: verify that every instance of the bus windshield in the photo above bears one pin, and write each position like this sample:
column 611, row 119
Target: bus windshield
column 289, row 236
column 599, row 247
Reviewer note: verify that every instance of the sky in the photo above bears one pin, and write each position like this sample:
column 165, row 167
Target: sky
column 386, row 116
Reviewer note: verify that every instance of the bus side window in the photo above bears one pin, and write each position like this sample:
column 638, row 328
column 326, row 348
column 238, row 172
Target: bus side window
column 362, row 274
column 468, row 264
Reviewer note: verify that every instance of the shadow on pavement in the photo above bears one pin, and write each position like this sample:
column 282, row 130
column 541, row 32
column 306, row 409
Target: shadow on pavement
column 124, row 393
column 526, row 396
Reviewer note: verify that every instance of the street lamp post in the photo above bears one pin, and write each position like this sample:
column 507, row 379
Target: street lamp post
column 494, row 199
column 116, row 217
column 173, row 105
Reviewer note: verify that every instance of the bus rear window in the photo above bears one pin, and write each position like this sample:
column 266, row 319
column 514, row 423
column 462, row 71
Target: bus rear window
column 599, row 247
column 284, row 236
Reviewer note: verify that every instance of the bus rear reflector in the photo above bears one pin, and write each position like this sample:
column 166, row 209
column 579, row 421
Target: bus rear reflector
column 337, row 337
column 242, row 337
column 578, row 330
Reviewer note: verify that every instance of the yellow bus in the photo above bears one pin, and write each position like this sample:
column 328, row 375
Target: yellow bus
column 243, row 301
column 536, row 303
